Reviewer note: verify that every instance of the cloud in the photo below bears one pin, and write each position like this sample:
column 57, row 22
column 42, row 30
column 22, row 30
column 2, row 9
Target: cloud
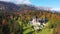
column 57, row 9
column 23, row 2
column 5, row 0
column 19, row 1
column 27, row 2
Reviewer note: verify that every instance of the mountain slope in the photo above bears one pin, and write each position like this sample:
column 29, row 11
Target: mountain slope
column 8, row 6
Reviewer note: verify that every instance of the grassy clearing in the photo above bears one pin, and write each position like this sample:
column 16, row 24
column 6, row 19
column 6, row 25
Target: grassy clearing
column 29, row 30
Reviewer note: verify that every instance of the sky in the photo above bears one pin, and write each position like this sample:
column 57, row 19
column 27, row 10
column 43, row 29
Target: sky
column 55, row 4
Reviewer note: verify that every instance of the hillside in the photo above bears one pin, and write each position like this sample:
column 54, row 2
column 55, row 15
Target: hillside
column 14, row 18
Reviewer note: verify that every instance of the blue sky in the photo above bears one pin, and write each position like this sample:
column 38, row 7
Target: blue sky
column 45, row 3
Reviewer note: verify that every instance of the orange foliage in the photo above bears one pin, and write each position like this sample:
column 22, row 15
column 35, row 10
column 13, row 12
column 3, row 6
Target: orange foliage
column 4, row 22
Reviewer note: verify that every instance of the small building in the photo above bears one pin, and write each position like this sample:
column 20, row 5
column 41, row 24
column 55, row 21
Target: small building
column 38, row 23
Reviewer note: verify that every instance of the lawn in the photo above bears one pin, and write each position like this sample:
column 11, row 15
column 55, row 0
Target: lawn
column 29, row 30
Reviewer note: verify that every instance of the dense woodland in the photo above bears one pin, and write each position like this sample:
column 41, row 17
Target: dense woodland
column 10, row 21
